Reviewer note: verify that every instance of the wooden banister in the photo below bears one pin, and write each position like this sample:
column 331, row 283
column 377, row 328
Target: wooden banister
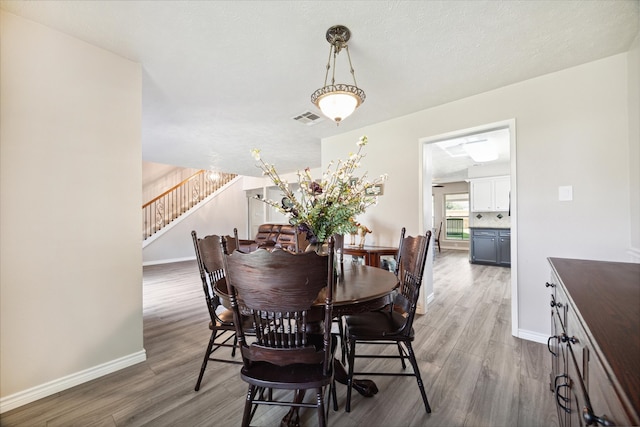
column 168, row 206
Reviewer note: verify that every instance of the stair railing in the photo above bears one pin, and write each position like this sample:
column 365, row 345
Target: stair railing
column 168, row 206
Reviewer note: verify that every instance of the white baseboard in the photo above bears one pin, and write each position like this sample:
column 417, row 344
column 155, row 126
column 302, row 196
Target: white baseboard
column 38, row 392
column 533, row 336
column 420, row 309
column 430, row 298
column 634, row 254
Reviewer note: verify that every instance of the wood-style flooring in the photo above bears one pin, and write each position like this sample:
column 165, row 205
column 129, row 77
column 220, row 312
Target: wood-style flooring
column 475, row 372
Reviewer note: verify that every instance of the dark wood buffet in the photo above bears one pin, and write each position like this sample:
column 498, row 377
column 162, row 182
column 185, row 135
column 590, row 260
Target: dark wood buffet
column 595, row 341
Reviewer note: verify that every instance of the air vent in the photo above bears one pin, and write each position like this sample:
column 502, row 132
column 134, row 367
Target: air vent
column 308, row 118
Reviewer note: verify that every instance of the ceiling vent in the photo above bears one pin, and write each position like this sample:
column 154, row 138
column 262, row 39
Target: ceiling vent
column 308, row 118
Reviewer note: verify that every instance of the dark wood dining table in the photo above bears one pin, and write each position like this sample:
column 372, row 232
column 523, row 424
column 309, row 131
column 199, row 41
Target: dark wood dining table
column 358, row 288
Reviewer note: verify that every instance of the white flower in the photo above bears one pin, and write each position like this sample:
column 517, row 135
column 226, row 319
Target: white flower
column 329, row 206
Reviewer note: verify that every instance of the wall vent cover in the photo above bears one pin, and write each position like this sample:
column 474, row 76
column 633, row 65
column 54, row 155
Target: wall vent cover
column 308, row 118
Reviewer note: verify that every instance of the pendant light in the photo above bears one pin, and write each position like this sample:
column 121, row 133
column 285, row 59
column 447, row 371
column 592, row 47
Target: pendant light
column 338, row 101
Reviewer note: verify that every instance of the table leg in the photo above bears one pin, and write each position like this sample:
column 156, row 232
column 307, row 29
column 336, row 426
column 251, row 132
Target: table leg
column 366, row 388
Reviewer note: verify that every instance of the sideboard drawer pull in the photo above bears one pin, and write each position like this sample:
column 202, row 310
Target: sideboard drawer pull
column 549, row 345
column 565, row 399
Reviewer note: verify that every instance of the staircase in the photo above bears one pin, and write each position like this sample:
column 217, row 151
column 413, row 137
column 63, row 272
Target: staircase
column 170, row 205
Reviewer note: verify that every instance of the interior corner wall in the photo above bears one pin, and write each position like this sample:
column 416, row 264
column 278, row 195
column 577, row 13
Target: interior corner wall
column 571, row 129
column 70, row 259
column 634, row 145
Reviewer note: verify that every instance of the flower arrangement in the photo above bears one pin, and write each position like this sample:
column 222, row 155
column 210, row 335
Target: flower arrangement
column 322, row 209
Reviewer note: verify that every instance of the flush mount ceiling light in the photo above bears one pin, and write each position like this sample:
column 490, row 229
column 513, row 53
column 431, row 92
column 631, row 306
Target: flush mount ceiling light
column 481, row 151
column 338, row 101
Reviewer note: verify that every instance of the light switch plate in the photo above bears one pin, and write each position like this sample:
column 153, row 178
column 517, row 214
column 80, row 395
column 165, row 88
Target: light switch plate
column 565, row 193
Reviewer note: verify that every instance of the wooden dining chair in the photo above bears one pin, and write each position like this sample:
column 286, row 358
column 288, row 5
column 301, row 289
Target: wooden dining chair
column 399, row 255
column 438, row 233
column 394, row 324
column 277, row 290
column 211, row 266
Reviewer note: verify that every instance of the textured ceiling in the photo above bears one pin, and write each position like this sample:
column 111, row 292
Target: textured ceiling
column 222, row 77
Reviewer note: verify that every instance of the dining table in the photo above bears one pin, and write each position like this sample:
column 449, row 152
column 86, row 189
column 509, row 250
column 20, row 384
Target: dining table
column 357, row 289
column 360, row 288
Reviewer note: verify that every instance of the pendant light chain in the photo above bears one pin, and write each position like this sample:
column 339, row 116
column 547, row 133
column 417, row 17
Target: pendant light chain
column 333, row 73
column 326, row 75
column 353, row 73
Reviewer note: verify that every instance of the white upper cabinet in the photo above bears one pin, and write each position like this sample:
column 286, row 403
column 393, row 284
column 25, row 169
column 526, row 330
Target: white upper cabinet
column 502, row 190
column 490, row 194
column 481, row 196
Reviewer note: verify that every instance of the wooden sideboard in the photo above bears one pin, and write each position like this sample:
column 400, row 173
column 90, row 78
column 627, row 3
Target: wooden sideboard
column 595, row 341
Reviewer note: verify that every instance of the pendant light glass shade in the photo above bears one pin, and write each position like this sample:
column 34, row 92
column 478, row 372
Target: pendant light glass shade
column 338, row 101
column 338, row 104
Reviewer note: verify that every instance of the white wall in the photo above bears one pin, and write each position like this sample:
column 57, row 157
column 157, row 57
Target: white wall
column 70, row 263
column 220, row 215
column 572, row 129
column 634, row 146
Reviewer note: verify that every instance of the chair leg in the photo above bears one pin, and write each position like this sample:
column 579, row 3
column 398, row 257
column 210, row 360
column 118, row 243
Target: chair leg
column 416, row 370
column 351, row 354
column 235, row 344
column 343, row 343
column 247, row 415
column 214, row 334
column 322, row 420
column 402, row 356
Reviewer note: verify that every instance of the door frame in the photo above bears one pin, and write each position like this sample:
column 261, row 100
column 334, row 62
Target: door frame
column 425, row 195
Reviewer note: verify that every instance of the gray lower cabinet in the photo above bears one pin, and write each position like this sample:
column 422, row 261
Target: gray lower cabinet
column 504, row 247
column 491, row 246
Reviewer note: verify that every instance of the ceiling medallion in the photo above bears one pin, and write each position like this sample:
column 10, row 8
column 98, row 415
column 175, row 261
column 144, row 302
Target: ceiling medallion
column 338, row 101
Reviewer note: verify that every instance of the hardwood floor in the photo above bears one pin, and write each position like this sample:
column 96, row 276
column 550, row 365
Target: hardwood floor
column 475, row 372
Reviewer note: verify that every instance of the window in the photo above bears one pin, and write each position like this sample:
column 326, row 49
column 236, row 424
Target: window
column 456, row 212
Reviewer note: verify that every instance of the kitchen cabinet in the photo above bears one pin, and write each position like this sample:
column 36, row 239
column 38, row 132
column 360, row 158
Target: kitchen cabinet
column 490, row 246
column 504, row 247
column 595, row 342
column 490, row 194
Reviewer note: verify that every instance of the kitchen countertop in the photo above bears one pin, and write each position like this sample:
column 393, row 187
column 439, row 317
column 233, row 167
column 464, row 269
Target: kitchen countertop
column 489, row 228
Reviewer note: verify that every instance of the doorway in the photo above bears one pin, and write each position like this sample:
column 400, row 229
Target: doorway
column 461, row 156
